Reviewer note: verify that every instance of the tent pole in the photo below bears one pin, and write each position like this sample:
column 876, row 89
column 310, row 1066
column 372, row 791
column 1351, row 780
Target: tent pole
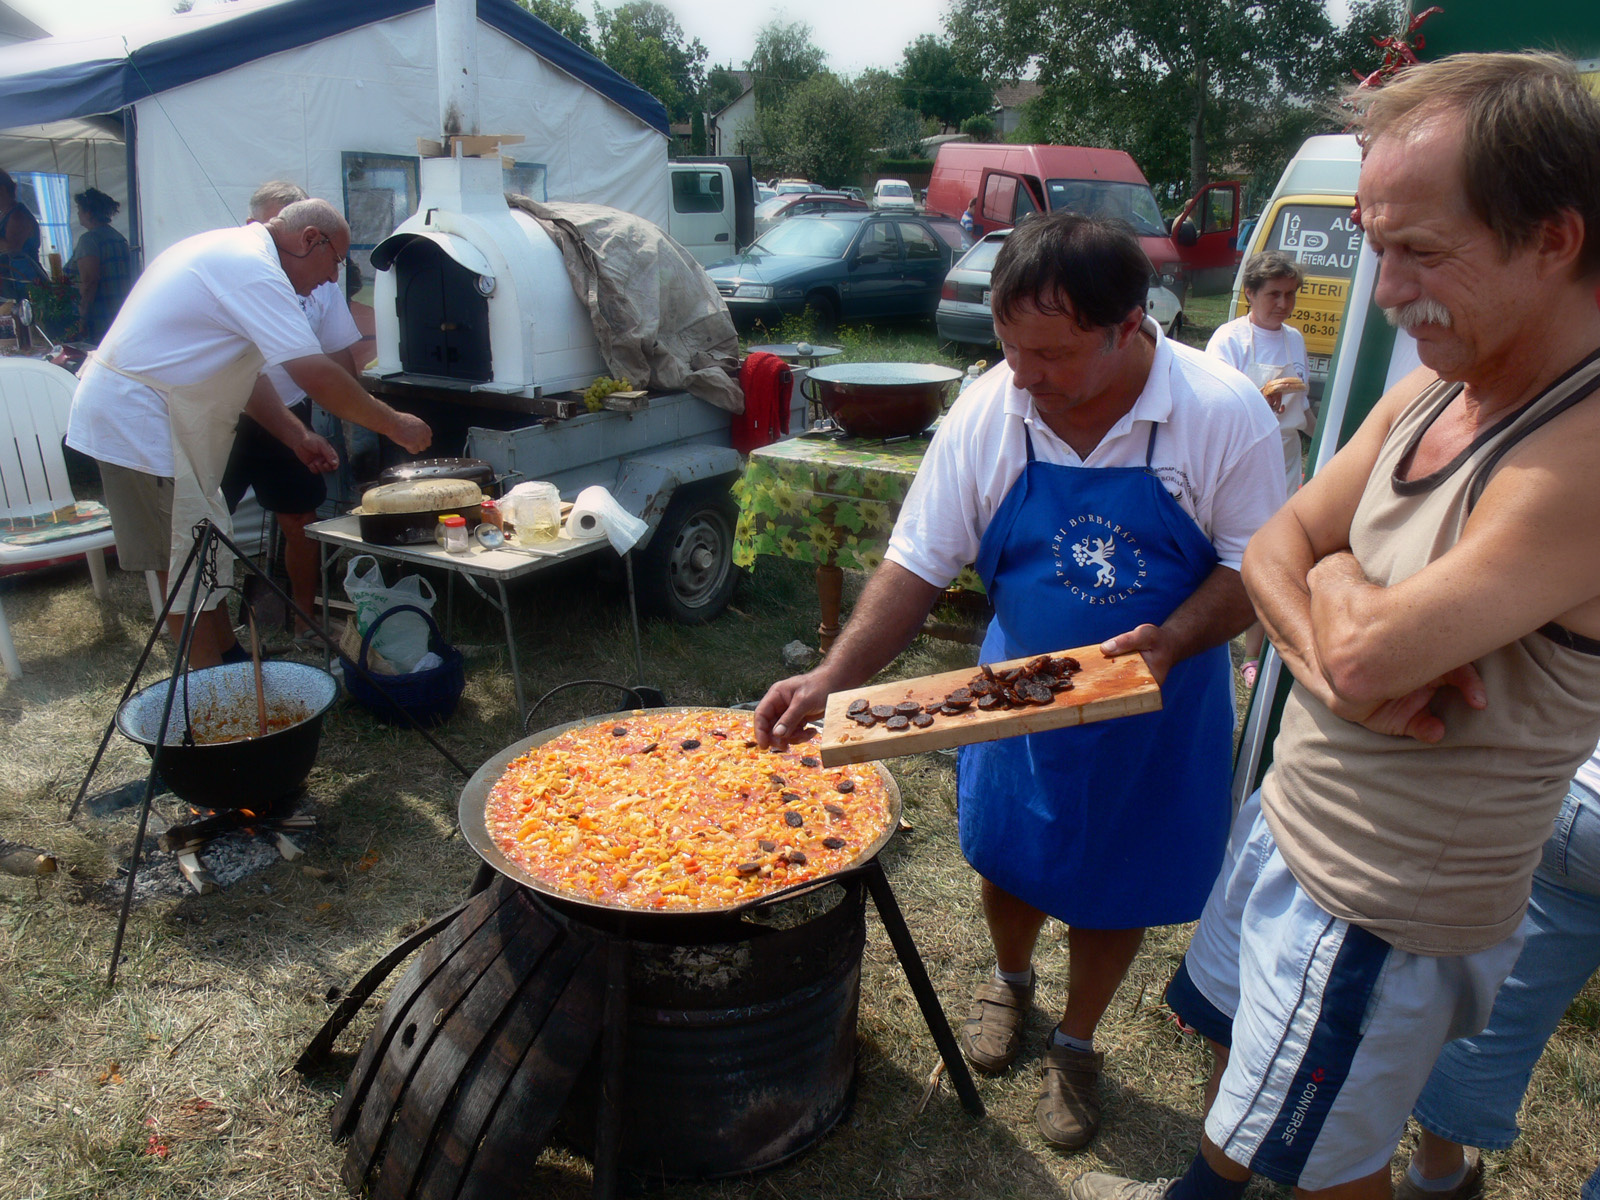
column 130, row 146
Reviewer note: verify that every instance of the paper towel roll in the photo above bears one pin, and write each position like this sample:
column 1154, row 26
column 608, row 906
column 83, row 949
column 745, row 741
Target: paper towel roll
column 596, row 513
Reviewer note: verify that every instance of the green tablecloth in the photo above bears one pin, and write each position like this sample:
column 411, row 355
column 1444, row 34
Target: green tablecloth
column 827, row 500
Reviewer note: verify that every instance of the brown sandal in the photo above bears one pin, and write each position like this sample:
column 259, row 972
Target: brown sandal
column 1068, row 1113
column 991, row 1039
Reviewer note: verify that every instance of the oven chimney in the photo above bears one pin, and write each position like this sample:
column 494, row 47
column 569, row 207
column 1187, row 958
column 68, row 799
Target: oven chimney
column 456, row 25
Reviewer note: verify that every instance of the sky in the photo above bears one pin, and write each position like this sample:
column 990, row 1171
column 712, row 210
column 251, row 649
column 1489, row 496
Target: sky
column 853, row 36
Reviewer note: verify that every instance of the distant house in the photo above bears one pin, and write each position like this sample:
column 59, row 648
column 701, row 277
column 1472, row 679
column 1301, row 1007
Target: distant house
column 14, row 27
column 1008, row 104
column 735, row 130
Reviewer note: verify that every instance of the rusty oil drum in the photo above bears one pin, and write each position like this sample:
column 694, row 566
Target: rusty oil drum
column 739, row 1053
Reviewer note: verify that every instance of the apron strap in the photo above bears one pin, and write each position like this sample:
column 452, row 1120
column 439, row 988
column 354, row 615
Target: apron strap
column 1150, row 447
column 1027, row 438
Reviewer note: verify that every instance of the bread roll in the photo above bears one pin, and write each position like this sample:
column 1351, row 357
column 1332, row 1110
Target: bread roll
column 1283, row 385
column 421, row 495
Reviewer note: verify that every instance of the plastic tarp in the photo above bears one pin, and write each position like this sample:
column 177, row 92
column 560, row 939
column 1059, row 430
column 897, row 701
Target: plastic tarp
column 247, row 115
column 656, row 313
column 52, row 79
column 87, row 154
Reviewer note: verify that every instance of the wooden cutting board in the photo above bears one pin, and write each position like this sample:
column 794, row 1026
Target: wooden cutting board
column 1105, row 688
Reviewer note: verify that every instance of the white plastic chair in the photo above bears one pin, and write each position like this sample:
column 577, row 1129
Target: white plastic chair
column 34, row 400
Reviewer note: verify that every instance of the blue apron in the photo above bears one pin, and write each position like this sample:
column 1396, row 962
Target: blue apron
column 1119, row 824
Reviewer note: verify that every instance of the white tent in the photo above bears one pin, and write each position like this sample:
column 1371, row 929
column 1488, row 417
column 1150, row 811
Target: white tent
column 332, row 96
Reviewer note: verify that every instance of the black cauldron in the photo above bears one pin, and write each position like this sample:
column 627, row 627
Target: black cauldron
column 215, row 703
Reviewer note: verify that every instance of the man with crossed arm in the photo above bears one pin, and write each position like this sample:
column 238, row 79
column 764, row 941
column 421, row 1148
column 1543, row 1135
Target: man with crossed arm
column 1435, row 591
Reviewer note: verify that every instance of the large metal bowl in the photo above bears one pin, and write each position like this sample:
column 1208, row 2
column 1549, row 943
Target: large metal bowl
column 474, row 827
column 881, row 400
column 254, row 773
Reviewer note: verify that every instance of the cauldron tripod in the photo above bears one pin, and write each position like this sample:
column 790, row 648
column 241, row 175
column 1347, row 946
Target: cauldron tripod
column 201, row 568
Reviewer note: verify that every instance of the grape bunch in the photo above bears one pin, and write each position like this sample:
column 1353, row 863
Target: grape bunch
column 594, row 395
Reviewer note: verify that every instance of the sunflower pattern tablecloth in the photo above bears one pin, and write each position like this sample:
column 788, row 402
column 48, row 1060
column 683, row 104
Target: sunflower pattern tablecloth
column 827, row 500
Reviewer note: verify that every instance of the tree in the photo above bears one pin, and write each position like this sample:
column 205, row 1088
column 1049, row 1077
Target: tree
column 893, row 128
column 979, row 128
column 785, row 57
column 722, row 88
column 819, row 133
column 643, row 42
column 562, row 16
column 1181, row 84
column 934, row 83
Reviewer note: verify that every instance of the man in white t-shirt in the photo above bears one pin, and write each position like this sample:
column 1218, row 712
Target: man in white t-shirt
column 158, row 403
column 283, row 484
column 1267, row 350
column 1104, row 480
column 1265, row 347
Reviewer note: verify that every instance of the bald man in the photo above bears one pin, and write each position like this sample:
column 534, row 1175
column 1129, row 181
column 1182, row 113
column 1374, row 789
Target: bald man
column 158, row 403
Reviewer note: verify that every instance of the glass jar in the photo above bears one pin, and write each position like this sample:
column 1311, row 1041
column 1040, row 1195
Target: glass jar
column 489, row 514
column 455, row 533
column 534, row 510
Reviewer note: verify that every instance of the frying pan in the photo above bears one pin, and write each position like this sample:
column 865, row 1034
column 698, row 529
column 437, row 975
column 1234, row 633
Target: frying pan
column 474, row 827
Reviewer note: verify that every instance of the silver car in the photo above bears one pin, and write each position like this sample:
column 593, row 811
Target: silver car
column 963, row 314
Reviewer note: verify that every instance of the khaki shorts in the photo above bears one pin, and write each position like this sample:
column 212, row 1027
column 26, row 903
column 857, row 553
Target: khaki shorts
column 141, row 514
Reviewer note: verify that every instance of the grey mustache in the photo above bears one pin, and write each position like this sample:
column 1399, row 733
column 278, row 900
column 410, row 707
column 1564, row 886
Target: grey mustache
column 1425, row 311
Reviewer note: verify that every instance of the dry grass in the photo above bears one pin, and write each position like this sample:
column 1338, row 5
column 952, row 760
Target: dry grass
column 174, row 1084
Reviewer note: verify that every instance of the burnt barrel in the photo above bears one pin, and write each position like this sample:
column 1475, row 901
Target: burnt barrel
column 740, row 1052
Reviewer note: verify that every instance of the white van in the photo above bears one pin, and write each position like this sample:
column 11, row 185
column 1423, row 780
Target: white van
column 894, row 193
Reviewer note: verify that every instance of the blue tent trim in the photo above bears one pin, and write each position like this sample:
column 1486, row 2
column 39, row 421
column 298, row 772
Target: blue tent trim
column 96, row 86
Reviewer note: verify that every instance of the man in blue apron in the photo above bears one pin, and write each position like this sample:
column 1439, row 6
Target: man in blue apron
column 1105, row 482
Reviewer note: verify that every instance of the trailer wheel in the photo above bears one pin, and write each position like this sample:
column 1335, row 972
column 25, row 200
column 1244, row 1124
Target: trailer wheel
column 687, row 572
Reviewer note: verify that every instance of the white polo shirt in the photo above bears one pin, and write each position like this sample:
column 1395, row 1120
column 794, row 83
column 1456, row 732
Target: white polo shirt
column 195, row 309
column 1216, row 452
column 335, row 328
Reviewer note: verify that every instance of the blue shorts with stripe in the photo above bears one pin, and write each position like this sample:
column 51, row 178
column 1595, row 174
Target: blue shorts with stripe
column 1332, row 1031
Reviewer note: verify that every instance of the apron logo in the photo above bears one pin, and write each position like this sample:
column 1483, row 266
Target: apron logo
column 1104, row 548
column 1085, row 565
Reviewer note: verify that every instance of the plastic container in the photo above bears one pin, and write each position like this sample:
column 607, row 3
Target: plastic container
column 439, row 527
column 455, row 534
column 534, row 511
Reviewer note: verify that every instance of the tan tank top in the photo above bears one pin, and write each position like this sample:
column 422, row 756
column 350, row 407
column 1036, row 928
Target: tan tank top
column 1433, row 848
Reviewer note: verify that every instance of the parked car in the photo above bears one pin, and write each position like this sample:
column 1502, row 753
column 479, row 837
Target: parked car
column 794, row 187
column 844, row 265
column 964, row 316
column 763, row 192
column 781, row 208
column 894, row 193
column 955, row 235
column 854, row 193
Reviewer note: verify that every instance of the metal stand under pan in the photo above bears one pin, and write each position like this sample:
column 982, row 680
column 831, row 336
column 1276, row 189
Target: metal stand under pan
column 691, row 1048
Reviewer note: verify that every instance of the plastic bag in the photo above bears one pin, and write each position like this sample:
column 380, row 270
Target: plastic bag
column 403, row 639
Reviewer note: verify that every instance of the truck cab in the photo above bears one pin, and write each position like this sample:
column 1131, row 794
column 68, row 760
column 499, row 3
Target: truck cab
column 711, row 206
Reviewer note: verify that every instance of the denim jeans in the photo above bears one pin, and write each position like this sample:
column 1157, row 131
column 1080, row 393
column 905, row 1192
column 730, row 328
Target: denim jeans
column 1591, row 1189
column 1476, row 1087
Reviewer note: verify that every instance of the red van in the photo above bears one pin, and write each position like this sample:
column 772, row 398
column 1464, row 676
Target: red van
column 1012, row 181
